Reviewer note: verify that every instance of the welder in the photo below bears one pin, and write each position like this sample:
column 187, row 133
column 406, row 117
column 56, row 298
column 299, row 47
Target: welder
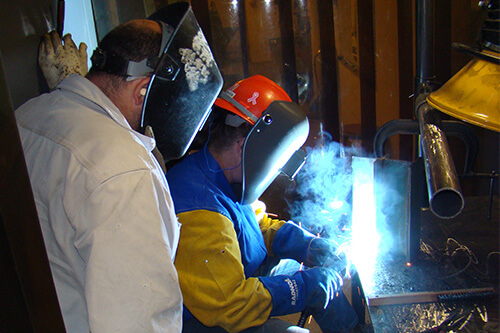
column 237, row 266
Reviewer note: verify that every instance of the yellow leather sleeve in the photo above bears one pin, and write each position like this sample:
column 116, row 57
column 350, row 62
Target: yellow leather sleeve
column 268, row 225
column 211, row 275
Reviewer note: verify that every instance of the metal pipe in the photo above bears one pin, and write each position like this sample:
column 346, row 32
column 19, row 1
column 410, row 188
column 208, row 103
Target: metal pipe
column 424, row 36
column 445, row 194
column 411, row 127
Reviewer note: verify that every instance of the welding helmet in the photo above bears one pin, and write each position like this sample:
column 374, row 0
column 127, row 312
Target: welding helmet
column 185, row 80
column 280, row 128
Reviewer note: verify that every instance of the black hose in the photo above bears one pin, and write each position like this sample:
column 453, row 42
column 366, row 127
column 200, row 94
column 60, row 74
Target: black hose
column 303, row 317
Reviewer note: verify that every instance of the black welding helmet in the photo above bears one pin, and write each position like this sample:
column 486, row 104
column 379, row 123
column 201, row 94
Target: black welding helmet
column 185, row 83
column 280, row 128
column 185, row 80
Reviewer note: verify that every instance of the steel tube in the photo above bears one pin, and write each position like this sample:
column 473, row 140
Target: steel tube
column 424, row 30
column 445, row 194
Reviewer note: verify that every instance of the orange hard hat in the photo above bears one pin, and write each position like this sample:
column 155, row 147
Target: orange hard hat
column 250, row 97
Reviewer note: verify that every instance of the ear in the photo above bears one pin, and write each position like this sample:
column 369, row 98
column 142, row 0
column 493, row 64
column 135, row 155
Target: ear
column 140, row 88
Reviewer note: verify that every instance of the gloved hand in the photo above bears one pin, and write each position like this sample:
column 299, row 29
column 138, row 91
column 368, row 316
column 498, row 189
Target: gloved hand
column 312, row 288
column 321, row 284
column 58, row 59
column 325, row 252
column 294, row 242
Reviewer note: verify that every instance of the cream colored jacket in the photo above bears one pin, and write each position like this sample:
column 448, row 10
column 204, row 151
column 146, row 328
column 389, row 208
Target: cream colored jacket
column 105, row 211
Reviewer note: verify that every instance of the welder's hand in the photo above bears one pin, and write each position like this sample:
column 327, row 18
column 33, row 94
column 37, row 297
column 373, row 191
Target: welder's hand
column 321, row 285
column 156, row 153
column 58, row 59
column 311, row 288
column 325, row 252
column 294, row 242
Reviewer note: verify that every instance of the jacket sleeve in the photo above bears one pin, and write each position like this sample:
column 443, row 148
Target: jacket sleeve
column 211, row 274
column 268, row 225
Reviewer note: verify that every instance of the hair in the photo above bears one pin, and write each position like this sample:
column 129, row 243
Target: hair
column 219, row 135
column 132, row 41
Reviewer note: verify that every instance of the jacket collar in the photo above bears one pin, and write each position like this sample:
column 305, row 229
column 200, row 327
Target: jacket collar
column 97, row 100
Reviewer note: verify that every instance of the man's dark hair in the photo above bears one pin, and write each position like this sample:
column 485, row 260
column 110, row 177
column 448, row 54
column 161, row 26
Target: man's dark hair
column 131, row 41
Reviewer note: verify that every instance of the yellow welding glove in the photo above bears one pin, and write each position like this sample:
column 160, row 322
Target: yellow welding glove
column 59, row 58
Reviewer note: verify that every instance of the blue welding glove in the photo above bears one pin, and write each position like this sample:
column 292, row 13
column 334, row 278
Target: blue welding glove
column 294, row 242
column 339, row 316
column 313, row 288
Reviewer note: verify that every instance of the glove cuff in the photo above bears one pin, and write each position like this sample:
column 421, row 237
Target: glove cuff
column 292, row 242
column 287, row 293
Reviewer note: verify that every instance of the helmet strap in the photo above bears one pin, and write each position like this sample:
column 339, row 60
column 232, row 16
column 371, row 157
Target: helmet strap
column 225, row 96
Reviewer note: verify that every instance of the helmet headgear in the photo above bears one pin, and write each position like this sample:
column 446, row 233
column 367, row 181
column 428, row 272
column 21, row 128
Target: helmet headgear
column 280, row 128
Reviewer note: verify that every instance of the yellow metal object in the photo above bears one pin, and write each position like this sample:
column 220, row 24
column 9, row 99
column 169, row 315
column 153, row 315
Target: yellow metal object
column 472, row 95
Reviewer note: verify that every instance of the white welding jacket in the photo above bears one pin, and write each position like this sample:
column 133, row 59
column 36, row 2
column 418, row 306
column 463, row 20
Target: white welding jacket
column 105, row 211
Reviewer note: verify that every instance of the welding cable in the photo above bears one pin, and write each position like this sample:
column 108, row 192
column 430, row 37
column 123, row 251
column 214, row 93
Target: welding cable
column 472, row 256
column 487, row 272
column 304, row 315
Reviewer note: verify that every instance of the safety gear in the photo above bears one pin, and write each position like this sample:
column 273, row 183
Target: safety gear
column 273, row 147
column 273, row 144
column 293, row 242
column 325, row 252
column 220, row 249
column 338, row 317
column 184, row 84
column 58, row 59
column 249, row 98
column 313, row 288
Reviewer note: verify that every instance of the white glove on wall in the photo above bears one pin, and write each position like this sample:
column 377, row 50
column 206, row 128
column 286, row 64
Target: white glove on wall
column 58, row 59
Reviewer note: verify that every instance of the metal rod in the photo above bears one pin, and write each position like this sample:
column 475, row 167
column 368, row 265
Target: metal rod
column 425, row 43
column 492, row 185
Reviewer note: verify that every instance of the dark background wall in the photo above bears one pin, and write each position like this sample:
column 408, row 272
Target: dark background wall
column 27, row 295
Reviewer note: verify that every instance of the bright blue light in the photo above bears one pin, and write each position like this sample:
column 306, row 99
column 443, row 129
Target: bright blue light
column 365, row 238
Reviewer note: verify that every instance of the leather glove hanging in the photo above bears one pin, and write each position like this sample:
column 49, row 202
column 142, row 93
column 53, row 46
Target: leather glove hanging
column 59, row 58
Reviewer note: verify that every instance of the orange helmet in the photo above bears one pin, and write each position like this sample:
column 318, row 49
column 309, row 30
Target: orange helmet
column 250, row 97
